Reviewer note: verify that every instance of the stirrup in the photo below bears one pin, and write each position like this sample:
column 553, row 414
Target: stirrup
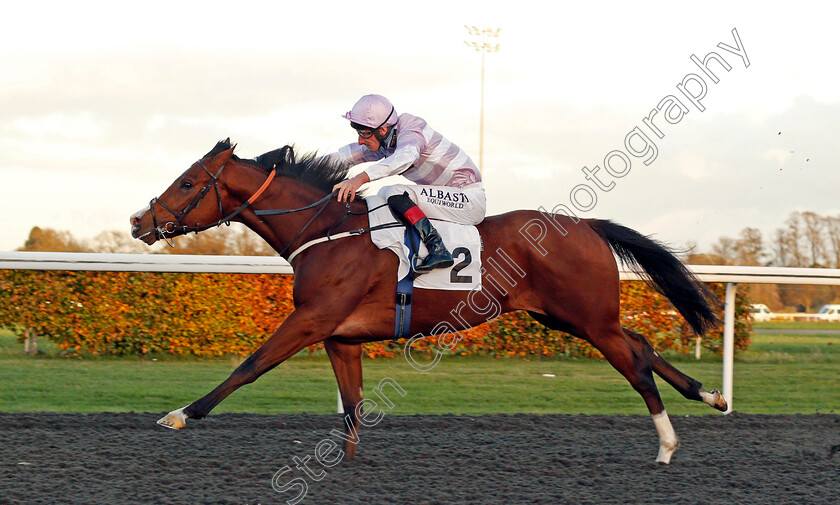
column 419, row 268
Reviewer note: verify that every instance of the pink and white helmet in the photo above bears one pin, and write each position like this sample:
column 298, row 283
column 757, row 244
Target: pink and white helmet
column 372, row 111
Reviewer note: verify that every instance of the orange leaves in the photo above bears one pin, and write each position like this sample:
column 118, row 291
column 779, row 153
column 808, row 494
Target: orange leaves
column 221, row 314
column 138, row 313
column 643, row 310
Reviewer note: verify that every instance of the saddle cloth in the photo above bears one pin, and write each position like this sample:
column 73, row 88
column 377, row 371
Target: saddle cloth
column 463, row 241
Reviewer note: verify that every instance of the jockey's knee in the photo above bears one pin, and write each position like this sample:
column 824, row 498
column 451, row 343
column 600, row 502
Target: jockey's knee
column 397, row 189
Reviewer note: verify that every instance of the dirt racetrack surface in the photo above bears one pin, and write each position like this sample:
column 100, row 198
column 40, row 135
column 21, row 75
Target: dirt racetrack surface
column 504, row 459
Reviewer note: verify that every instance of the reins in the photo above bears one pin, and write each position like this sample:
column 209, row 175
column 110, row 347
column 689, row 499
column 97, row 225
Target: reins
column 279, row 212
column 176, row 226
column 330, row 237
column 172, row 227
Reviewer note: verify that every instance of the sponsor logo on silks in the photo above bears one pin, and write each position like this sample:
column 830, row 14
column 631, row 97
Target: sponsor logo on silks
column 445, row 198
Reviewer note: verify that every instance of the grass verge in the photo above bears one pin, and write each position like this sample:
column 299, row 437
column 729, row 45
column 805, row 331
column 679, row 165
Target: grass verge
column 780, row 374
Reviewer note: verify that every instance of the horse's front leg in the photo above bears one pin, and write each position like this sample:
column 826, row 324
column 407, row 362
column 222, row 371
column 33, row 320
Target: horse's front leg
column 346, row 360
column 299, row 330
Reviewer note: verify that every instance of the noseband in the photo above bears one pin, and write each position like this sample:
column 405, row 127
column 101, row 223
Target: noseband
column 173, row 227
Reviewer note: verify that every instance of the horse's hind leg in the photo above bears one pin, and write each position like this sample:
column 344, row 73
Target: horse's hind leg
column 635, row 367
column 685, row 385
column 346, row 360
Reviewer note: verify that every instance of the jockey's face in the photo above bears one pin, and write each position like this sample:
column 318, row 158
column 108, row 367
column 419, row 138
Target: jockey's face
column 372, row 138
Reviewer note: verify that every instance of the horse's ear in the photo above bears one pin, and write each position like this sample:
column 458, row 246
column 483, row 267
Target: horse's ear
column 225, row 155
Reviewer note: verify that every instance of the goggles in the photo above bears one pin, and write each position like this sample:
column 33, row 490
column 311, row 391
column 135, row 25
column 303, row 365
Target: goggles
column 365, row 133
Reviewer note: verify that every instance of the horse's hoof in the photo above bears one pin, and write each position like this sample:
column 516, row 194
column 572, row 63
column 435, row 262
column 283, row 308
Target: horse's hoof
column 174, row 420
column 719, row 401
column 665, row 453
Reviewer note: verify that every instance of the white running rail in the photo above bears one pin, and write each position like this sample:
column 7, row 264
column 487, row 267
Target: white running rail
column 732, row 275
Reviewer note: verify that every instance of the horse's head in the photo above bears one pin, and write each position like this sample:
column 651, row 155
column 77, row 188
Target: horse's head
column 192, row 203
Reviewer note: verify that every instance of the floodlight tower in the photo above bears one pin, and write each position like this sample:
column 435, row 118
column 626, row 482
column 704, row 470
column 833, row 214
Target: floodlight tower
column 480, row 44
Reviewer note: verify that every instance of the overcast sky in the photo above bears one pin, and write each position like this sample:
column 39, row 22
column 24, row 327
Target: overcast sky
column 103, row 104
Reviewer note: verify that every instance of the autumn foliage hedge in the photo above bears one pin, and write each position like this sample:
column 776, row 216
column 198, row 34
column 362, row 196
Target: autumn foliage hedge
column 222, row 314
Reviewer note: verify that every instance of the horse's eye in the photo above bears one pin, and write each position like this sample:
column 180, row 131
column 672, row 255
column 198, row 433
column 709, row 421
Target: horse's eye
column 186, row 185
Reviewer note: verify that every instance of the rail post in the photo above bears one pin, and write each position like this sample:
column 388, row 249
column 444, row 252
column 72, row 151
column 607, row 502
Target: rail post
column 729, row 343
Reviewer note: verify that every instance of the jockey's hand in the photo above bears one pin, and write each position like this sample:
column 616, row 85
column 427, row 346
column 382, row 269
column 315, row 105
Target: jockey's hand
column 347, row 189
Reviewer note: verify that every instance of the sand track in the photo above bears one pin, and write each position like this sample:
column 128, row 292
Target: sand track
column 504, row 459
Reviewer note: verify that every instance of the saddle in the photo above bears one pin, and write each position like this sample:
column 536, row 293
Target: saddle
column 463, row 241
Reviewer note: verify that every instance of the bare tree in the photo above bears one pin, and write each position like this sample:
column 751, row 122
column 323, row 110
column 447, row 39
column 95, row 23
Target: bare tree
column 812, row 233
column 726, row 249
column 749, row 247
column 117, row 242
column 781, row 257
column 243, row 242
column 788, row 243
column 211, row 242
column 704, row 259
column 47, row 239
column 234, row 240
column 832, row 228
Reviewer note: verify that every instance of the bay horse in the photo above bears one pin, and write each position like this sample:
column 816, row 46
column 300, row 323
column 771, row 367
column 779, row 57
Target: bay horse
column 567, row 280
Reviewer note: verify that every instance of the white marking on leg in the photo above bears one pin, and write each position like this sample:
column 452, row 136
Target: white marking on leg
column 174, row 420
column 708, row 398
column 668, row 441
column 714, row 398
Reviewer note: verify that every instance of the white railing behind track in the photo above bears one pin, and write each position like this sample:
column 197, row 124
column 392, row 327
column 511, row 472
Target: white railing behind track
column 732, row 275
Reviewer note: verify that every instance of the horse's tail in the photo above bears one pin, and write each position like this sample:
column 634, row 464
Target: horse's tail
column 664, row 272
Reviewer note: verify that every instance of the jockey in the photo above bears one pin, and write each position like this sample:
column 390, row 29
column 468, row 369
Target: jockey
column 448, row 184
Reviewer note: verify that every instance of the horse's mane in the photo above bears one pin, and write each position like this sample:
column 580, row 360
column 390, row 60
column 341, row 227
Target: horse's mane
column 317, row 171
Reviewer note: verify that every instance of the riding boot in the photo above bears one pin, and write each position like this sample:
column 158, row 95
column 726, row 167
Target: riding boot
column 439, row 256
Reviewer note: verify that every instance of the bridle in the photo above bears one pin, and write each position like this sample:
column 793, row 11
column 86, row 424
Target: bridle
column 174, row 227
column 166, row 231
